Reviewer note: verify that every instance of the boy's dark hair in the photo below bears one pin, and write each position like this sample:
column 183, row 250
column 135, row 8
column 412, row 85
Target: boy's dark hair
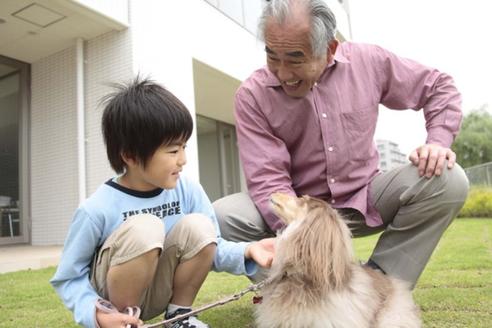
column 138, row 118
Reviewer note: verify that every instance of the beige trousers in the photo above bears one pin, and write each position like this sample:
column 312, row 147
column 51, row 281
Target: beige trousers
column 415, row 210
column 142, row 233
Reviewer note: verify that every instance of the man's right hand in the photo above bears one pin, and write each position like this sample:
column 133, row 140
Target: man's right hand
column 116, row 320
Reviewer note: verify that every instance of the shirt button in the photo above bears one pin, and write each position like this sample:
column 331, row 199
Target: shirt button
column 324, row 115
column 330, row 148
column 332, row 180
column 333, row 201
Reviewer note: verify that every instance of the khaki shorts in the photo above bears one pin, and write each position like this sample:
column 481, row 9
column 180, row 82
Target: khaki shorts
column 142, row 233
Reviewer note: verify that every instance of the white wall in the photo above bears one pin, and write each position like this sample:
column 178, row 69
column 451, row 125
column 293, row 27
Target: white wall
column 108, row 59
column 54, row 162
column 167, row 35
column 54, row 186
column 114, row 9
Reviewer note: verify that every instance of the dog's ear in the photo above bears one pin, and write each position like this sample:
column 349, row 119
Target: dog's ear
column 287, row 207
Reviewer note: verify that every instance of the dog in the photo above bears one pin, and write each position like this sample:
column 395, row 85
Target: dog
column 315, row 282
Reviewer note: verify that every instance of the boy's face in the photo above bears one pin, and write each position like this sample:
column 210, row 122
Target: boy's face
column 162, row 169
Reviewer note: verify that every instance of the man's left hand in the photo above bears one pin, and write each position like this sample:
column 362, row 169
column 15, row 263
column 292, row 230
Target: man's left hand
column 430, row 159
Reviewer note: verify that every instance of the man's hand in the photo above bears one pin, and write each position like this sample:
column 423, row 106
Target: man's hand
column 261, row 252
column 430, row 159
column 116, row 320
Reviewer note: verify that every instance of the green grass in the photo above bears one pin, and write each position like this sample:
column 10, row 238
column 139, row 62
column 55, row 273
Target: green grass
column 454, row 291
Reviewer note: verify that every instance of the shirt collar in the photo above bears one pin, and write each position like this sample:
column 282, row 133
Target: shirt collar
column 272, row 81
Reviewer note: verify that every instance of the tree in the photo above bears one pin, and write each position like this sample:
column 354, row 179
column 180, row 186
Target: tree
column 473, row 145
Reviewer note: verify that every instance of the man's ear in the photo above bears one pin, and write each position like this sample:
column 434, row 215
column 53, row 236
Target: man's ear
column 330, row 51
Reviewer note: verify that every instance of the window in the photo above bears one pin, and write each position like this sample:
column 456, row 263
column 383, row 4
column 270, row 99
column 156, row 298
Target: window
column 13, row 150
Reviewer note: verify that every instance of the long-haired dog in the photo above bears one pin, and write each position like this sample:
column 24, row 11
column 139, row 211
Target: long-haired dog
column 315, row 282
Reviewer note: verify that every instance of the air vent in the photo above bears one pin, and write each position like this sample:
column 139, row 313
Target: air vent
column 38, row 15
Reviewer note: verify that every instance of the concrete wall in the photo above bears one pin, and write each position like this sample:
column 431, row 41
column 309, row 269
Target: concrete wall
column 53, row 129
column 167, row 35
column 108, row 59
column 54, row 161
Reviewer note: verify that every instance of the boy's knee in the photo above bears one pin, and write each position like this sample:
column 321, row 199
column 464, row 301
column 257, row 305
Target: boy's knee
column 196, row 226
column 144, row 231
column 191, row 234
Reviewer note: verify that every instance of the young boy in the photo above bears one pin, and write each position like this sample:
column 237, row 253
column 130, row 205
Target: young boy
column 147, row 237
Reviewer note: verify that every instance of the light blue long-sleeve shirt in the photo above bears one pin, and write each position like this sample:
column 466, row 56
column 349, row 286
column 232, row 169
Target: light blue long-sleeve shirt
column 103, row 212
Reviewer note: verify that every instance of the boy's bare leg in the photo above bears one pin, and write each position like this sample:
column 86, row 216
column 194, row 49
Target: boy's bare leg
column 190, row 275
column 127, row 282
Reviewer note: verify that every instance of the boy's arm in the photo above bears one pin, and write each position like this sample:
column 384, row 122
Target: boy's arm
column 71, row 280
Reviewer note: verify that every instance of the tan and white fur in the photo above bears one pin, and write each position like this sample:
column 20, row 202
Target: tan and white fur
column 315, row 281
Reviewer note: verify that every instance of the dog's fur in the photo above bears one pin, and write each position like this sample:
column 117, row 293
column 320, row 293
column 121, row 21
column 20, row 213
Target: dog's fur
column 315, row 282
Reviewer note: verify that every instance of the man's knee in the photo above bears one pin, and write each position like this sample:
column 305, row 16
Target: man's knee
column 239, row 219
column 450, row 187
column 442, row 196
column 227, row 207
column 457, row 184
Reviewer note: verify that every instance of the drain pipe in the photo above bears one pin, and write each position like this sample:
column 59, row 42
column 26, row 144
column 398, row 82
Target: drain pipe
column 79, row 47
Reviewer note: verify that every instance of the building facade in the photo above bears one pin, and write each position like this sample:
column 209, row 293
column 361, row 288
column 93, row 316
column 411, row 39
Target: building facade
column 390, row 155
column 58, row 59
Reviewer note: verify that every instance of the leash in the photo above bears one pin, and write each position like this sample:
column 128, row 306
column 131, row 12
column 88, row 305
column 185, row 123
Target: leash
column 235, row 297
column 107, row 307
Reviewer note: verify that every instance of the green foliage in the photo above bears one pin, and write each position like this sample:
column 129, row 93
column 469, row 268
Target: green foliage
column 473, row 145
column 454, row 290
column 478, row 204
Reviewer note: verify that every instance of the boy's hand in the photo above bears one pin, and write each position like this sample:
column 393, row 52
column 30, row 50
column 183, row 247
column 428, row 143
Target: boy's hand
column 261, row 252
column 116, row 320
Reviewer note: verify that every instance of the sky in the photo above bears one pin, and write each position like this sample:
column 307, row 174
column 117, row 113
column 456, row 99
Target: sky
column 454, row 36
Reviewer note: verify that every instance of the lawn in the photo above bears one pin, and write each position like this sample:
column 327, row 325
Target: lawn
column 454, row 291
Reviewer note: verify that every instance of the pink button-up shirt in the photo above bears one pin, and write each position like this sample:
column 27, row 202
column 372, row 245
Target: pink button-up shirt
column 322, row 145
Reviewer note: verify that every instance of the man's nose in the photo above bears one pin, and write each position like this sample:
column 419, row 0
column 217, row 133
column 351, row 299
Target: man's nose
column 284, row 73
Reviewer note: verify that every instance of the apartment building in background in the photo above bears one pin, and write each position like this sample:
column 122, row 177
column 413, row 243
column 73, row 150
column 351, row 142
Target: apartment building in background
column 390, row 155
column 57, row 59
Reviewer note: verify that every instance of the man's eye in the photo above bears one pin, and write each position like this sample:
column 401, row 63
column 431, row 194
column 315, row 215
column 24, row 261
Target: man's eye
column 272, row 58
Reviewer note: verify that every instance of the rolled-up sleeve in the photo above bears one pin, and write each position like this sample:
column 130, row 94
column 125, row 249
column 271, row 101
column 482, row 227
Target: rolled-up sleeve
column 407, row 84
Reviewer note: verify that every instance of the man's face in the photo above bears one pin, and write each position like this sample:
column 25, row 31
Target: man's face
column 290, row 58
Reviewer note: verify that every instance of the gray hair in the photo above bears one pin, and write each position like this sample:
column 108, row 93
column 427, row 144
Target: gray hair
column 323, row 22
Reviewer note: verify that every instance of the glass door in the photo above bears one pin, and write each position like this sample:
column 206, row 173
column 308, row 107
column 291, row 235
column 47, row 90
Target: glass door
column 229, row 159
column 220, row 171
column 13, row 151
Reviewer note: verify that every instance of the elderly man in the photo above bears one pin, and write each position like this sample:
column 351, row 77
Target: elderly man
column 306, row 125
